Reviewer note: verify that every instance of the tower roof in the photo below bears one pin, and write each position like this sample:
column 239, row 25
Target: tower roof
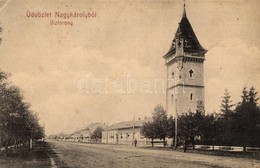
column 184, row 12
column 185, row 31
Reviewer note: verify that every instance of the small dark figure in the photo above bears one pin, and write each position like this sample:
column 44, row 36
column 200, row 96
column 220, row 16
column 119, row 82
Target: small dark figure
column 135, row 142
column 184, row 146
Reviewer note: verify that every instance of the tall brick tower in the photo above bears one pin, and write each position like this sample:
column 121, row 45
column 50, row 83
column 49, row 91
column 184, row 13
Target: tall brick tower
column 185, row 72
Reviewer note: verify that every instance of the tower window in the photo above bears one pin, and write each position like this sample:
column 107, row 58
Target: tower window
column 180, row 76
column 191, row 96
column 172, row 98
column 186, row 43
column 191, row 73
column 172, row 75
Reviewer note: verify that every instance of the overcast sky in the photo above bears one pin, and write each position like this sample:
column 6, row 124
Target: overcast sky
column 125, row 41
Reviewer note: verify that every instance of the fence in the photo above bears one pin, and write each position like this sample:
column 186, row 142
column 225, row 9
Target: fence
column 227, row 148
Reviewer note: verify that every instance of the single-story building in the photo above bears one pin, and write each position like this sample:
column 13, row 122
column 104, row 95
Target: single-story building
column 125, row 133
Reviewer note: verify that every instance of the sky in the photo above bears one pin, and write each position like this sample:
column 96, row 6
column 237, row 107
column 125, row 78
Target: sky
column 80, row 74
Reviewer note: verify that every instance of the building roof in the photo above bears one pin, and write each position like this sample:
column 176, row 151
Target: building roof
column 90, row 128
column 126, row 124
column 186, row 32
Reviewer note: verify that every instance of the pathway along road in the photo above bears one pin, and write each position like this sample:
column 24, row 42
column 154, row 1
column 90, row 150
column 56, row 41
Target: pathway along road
column 67, row 154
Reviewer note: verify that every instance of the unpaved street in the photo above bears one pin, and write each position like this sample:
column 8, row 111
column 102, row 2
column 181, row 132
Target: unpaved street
column 68, row 154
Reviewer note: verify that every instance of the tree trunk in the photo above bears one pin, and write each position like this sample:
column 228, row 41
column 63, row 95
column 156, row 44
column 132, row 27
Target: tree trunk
column 15, row 144
column 0, row 142
column 184, row 146
column 164, row 142
column 6, row 147
column 152, row 142
column 18, row 143
column 0, row 138
column 193, row 142
column 244, row 148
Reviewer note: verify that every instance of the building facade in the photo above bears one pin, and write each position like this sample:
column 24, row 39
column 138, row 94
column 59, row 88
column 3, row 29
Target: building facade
column 125, row 133
column 185, row 70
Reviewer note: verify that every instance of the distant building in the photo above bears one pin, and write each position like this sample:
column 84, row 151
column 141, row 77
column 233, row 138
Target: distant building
column 59, row 137
column 125, row 133
column 185, row 70
column 84, row 135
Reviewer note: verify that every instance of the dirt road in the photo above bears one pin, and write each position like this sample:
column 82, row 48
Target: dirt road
column 68, row 154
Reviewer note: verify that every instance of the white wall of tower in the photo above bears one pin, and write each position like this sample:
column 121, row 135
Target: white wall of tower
column 184, row 89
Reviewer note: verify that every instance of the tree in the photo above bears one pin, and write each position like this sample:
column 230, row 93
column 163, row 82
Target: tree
column 158, row 127
column 208, row 130
column 97, row 134
column 148, row 131
column 18, row 122
column 187, row 127
column 226, row 103
column 171, row 127
column 252, row 97
column 160, row 121
column 224, row 121
column 191, row 125
column 245, row 121
column 200, row 107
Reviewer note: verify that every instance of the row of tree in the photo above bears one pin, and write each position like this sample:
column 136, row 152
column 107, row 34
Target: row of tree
column 18, row 124
column 235, row 124
column 240, row 126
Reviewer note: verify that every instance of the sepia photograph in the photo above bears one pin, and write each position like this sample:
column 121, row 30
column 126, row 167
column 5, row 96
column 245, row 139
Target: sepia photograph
column 129, row 83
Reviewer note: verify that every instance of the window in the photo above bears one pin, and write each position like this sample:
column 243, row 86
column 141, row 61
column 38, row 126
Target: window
column 180, row 77
column 190, row 34
column 172, row 75
column 191, row 72
column 186, row 43
column 191, row 95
